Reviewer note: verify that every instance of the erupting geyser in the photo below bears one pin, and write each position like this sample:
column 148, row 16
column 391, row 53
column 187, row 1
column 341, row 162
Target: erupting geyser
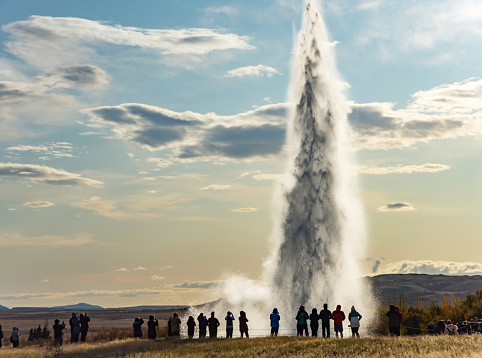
column 319, row 237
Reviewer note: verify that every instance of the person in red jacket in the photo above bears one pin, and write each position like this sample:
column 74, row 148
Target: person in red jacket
column 338, row 316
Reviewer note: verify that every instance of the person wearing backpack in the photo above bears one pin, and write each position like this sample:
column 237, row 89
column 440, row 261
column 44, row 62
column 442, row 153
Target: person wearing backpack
column 229, row 324
column 451, row 329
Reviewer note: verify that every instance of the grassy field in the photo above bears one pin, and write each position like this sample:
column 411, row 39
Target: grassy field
column 305, row 347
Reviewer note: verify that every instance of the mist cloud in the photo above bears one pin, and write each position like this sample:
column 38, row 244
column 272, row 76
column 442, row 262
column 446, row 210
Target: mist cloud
column 407, row 169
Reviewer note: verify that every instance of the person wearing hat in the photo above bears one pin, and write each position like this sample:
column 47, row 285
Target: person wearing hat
column 58, row 333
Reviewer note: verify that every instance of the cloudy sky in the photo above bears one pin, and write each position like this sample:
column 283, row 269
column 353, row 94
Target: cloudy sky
column 139, row 143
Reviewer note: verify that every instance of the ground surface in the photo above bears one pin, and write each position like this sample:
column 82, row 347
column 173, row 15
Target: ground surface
column 122, row 319
column 462, row 346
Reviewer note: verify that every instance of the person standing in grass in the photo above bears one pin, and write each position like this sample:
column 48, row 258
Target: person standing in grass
column 325, row 316
column 137, row 325
column 203, row 324
column 302, row 317
column 338, row 316
column 213, row 325
column 175, row 325
column 393, row 322
column 243, row 324
column 190, row 327
column 74, row 328
column 58, row 333
column 15, row 337
column 229, row 324
column 314, row 317
column 84, row 326
column 274, row 318
column 1, row 336
column 354, row 317
column 151, row 327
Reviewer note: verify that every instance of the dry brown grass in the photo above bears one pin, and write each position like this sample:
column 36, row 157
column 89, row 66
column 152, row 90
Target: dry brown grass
column 301, row 347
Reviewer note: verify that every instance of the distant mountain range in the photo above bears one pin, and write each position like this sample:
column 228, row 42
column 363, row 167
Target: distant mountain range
column 388, row 288
column 427, row 288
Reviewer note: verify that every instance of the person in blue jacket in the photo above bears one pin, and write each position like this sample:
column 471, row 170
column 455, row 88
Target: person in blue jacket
column 274, row 318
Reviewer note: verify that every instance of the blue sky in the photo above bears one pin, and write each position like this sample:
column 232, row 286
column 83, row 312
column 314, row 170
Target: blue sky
column 139, row 143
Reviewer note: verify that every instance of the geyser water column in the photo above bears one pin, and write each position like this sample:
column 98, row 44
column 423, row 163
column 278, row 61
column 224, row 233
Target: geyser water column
column 319, row 230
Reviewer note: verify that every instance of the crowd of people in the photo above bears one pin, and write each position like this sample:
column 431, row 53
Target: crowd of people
column 210, row 325
column 79, row 325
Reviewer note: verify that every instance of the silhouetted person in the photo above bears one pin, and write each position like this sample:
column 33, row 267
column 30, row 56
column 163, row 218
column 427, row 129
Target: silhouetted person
column 325, row 316
column 314, row 322
column 58, row 333
column 430, row 328
column 151, row 327
column 175, row 325
column 439, row 328
column 137, row 325
column 338, row 316
column 84, row 326
column 203, row 324
column 229, row 324
column 74, row 328
column 393, row 325
column 45, row 333
column 243, row 324
column 274, row 320
column 400, row 319
column 302, row 317
column 31, row 335
column 38, row 333
column 213, row 325
column 191, row 323
column 354, row 317
column 15, row 337
column 1, row 336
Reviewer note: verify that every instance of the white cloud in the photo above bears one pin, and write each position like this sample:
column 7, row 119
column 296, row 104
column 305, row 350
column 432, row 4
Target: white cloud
column 122, row 269
column 260, row 177
column 157, row 277
column 259, row 134
column 139, row 268
column 18, row 240
column 42, row 174
column 396, row 207
column 245, row 210
column 407, row 169
column 257, row 71
column 50, row 150
column 46, row 41
column 267, row 99
column 38, row 204
column 430, row 267
column 216, row 187
column 44, row 280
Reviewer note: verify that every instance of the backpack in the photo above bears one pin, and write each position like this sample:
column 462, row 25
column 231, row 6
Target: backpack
column 229, row 321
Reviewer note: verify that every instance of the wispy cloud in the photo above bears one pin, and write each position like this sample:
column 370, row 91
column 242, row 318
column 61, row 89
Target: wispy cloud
column 396, row 207
column 46, row 41
column 18, row 240
column 157, row 277
column 50, row 150
column 38, row 204
column 216, row 187
column 407, row 169
column 42, row 174
column 245, row 210
column 260, row 177
column 225, row 10
column 256, row 71
column 76, row 76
